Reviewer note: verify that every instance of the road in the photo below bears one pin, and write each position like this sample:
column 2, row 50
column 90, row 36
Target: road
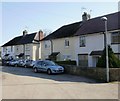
column 23, row 83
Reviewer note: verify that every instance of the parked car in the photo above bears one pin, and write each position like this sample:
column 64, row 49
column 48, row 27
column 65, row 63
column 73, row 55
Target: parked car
column 21, row 63
column 47, row 66
column 28, row 63
column 7, row 62
column 33, row 63
column 14, row 63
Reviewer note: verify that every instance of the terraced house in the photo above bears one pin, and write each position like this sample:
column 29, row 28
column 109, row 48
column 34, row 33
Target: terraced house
column 83, row 41
column 26, row 46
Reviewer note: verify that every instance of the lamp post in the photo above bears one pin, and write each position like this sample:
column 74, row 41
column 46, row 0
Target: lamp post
column 106, row 45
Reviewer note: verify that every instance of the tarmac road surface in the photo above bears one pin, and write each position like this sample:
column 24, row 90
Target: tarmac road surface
column 23, row 83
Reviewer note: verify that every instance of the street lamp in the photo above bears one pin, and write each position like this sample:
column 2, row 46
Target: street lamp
column 106, row 45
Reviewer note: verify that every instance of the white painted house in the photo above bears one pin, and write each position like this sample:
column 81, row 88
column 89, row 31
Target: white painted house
column 26, row 46
column 83, row 41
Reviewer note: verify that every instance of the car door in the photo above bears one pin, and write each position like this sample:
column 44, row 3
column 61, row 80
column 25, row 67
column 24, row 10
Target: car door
column 39, row 67
column 44, row 67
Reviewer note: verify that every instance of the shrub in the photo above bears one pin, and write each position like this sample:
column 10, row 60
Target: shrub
column 113, row 60
column 70, row 62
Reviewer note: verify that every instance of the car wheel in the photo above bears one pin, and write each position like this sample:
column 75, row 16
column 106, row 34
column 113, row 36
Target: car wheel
column 35, row 70
column 25, row 66
column 16, row 65
column 49, row 72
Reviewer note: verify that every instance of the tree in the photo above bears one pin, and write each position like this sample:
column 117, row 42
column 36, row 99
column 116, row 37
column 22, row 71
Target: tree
column 114, row 62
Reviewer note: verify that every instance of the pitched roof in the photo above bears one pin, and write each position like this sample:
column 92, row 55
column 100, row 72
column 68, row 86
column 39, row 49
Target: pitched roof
column 90, row 26
column 13, row 41
column 21, row 40
column 27, row 39
column 64, row 31
column 96, row 25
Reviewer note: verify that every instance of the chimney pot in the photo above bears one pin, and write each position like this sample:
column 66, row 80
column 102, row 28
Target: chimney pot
column 24, row 32
column 85, row 16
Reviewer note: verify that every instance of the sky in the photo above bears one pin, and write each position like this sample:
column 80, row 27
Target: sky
column 46, row 16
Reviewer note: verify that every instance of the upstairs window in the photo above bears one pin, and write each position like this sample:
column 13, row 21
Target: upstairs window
column 11, row 48
column 115, row 37
column 66, row 43
column 17, row 48
column 82, row 41
column 27, row 47
column 4, row 49
column 46, row 44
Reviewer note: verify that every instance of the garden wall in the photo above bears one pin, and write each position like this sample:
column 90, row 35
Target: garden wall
column 94, row 73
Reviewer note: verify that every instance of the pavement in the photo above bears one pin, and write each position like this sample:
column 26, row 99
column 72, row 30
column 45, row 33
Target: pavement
column 23, row 83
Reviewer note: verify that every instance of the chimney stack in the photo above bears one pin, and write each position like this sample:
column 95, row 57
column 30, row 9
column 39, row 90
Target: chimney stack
column 25, row 32
column 85, row 16
column 41, row 35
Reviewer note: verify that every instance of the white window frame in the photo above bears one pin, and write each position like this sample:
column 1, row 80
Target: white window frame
column 82, row 41
column 4, row 49
column 115, row 37
column 27, row 47
column 46, row 45
column 67, row 43
column 17, row 48
column 11, row 48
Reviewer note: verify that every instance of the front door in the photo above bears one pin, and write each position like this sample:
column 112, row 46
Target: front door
column 94, row 61
column 83, row 60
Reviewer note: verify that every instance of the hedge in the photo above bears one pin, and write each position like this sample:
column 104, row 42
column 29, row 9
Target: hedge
column 66, row 62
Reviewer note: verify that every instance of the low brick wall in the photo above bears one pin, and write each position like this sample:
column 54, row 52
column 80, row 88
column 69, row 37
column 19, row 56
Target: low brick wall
column 94, row 73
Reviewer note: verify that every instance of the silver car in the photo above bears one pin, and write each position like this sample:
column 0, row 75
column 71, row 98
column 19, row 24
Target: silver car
column 47, row 66
column 28, row 63
column 14, row 63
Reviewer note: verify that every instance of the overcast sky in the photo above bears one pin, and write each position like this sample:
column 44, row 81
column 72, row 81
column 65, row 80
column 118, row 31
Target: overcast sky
column 33, row 16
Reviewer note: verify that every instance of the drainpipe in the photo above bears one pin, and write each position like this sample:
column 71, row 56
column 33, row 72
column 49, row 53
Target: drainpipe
column 104, row 39
column 24, row 51
column 51, row 46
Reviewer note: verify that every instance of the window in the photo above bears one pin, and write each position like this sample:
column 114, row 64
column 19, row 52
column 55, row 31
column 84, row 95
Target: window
column 11, row 48
column 27, row 47
column 83, row 60
column 67, row 43
column 67, row 57
column 82, row 41
column 27, row 56
column 4, row 49
column 17, row 48
column 115, row 37
column 46, row 44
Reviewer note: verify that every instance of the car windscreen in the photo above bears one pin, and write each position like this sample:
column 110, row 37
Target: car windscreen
column 49, row 63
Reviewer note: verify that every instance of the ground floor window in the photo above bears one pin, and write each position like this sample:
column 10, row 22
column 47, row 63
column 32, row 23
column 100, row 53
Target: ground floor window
column 83, row 60
column 66, row 57
column 27, row 56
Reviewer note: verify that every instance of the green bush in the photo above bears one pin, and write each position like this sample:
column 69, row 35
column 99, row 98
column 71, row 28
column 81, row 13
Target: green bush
column 68, row 62
column 114, row 62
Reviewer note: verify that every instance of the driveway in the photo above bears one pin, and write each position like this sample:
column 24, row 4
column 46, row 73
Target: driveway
column 23, row 83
